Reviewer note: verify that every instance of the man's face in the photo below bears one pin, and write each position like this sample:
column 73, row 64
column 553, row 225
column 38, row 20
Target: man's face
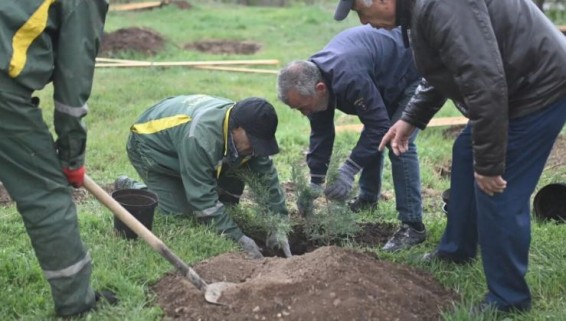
column 309, row 104
column 242, row 142
column 381, row 13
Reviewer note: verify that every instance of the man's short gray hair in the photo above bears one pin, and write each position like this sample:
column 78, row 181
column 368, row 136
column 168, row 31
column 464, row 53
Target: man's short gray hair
column 299, row 75
column 366, row 3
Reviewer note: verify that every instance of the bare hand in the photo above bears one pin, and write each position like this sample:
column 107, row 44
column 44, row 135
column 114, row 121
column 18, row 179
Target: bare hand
column 398, row 135
column 490, row 184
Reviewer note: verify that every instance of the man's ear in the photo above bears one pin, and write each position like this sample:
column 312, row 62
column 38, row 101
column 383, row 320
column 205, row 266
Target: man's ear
column 320, row 86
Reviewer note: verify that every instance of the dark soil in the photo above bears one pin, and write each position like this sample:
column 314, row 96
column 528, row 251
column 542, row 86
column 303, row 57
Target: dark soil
column 215, row 46
column 139, row 40
column 183, row 5
column 149, row 42
column 370, row 235
column 330, row 283
column 321, row 282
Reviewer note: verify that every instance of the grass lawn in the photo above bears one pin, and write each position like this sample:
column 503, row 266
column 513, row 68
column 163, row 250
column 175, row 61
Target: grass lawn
column 120, row 95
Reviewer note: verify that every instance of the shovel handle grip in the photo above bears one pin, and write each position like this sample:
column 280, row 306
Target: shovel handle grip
column 120, row 212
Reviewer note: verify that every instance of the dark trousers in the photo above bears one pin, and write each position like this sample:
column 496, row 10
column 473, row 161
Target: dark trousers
column 34, row 179
column 500, row 224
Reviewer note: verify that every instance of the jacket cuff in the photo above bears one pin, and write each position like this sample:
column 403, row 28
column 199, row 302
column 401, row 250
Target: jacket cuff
column 419, row 124
column 318, row 179
column 490, row 169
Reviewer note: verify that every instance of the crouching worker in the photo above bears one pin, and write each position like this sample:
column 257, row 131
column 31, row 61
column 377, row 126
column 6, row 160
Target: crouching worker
column 191, row 151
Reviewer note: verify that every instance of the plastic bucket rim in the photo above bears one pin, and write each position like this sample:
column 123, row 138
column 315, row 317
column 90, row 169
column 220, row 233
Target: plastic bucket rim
column 543, row 195
column 122, row 196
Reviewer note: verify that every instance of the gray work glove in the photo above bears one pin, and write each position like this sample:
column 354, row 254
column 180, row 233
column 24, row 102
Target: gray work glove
column 279, row 241
column 248, row 245
column 342, row 186
column 305, row 202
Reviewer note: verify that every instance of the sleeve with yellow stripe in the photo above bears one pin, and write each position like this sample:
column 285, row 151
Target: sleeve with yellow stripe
column 79, row 37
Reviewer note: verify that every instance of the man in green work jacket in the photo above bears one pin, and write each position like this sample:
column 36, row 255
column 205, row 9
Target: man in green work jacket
column 41, row 42
column 192, row 151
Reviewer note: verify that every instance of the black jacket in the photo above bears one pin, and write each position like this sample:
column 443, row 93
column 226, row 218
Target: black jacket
column 496, row 59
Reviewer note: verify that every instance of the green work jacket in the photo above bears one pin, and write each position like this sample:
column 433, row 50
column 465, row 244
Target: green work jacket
column 43, row 41
column 187, row 136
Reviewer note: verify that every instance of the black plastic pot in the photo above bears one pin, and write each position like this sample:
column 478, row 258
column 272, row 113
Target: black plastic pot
column 141, row 204
column 550, row 202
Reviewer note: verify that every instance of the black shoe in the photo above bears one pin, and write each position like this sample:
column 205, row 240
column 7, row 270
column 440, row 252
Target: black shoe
column 100, row 298
column 435, row 256
column 105, row 296
column 124, row 182
column 484, row 308
column 404, row 238
column 489, row 308
column 357, row 205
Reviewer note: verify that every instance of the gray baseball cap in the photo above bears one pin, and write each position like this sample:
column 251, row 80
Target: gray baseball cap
column 343, row 9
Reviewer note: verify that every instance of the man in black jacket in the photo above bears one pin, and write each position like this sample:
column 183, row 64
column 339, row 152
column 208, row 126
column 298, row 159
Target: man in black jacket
column 502, row 63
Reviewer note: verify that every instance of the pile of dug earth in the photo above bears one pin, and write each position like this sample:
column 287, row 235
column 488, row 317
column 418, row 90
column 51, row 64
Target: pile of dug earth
column 330, row 283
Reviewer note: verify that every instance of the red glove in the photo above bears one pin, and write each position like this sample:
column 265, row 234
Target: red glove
column 75, row 177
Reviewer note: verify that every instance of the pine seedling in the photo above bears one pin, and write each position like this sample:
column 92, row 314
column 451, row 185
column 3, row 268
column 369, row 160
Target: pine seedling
column 266, row 218
column 332, row 221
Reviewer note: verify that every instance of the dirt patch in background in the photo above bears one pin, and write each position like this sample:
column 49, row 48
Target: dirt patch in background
column 331, row 283
column 219, row 46
column 556, row 158
column 183, row 5
column 139, row 40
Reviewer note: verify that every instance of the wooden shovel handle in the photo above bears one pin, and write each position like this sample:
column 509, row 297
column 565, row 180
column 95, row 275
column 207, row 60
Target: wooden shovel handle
column 120, row 212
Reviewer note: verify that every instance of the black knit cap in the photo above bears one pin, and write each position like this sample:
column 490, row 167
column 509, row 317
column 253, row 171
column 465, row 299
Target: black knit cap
column 258, row 118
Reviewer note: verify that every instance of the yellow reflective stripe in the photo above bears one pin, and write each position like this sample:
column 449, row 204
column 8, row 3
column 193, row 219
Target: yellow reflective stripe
column 27, row 33
column 154, row 126
column 226, row 119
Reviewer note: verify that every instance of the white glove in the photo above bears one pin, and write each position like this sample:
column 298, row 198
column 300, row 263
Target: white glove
column 281, row 242
column 248, row 245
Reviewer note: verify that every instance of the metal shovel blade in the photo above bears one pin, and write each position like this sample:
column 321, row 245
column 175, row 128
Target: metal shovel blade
column 214, row 291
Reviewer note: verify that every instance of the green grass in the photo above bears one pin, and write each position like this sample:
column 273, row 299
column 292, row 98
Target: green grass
column 120, row 95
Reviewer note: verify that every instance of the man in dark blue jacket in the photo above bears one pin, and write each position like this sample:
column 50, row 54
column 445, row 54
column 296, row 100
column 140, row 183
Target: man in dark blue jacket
column 368, row 73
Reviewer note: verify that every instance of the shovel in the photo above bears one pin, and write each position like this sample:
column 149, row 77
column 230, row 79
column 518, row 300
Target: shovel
column 212, row 291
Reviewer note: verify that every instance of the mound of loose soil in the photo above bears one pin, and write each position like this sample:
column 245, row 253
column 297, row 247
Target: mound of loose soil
column 224, row 47
column 331, row 283
column 140, row 40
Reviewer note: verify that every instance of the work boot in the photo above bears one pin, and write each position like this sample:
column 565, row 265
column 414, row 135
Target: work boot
column 435, row 256
column 486, row 308
column 358, row 205
column 124, row 182
column 100, row 298
column 404, row 238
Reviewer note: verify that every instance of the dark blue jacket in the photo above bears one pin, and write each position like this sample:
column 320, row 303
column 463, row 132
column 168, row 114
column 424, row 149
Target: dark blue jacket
column 366, row 71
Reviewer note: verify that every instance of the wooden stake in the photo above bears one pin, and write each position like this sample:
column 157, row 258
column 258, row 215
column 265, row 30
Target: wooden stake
column 136, row 6
column 435, row 122
column 185, row 63
column 236, row 69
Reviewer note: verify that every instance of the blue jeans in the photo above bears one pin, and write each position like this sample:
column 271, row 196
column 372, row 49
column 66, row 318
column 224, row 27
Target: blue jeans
column 405, row 172
column 500, row 224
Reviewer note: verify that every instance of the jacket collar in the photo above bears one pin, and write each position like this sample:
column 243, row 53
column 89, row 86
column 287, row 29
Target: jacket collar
column 403, row 11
